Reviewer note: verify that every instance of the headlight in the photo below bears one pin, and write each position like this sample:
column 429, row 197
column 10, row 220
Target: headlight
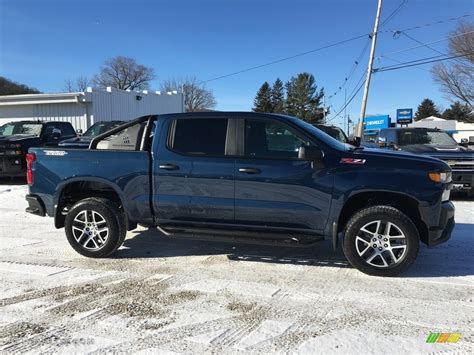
column 440, row 177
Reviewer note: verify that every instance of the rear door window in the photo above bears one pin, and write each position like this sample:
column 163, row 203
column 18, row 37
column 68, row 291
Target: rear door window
column 199, row 136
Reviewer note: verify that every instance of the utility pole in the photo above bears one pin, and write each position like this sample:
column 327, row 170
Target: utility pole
column 345, row 104
column 360, row 126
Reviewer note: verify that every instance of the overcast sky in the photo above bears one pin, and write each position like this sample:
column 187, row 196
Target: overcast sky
column 44, row 42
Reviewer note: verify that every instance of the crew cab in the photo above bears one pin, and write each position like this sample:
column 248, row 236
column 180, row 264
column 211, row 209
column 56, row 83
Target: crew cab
column 435, row 143
column 243, row 177
column 85, row 139
column 18, row 136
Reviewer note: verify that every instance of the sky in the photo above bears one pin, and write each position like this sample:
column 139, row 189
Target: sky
column 42, row 43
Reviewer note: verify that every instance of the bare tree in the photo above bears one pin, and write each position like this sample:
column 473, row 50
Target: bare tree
column 79, row 84
column 125, row 74
column 457, row 77
column 196, row 96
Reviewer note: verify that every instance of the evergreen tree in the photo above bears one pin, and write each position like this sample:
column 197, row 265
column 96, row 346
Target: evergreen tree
column 427, row 108
column 459, row 112
column 263, row 99
column 304, row 98
column 278, row 97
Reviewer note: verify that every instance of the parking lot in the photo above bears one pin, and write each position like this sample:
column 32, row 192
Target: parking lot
column 161, row 295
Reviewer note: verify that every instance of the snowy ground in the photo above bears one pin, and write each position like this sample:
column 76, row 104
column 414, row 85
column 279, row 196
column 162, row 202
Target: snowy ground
column 162, row 296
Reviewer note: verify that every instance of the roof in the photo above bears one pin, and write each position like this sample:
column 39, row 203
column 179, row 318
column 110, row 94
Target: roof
column 35, row 99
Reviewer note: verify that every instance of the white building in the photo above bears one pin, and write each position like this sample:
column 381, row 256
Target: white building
column 83, row 109
column 458, row 130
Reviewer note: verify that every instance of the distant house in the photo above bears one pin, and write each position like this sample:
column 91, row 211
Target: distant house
column 458, row 130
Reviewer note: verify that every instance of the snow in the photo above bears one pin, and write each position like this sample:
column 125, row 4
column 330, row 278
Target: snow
column 158, row 295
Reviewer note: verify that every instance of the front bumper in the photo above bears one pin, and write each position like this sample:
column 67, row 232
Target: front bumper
column 35, row 205
column 12, row 166
column 463, row 180
column 442, row 232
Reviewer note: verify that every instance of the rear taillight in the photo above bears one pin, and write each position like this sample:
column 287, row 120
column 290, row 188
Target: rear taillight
column 30, row 158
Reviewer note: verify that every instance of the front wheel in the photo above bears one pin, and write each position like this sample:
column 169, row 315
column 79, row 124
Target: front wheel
column 95, row 227
column 381, row 241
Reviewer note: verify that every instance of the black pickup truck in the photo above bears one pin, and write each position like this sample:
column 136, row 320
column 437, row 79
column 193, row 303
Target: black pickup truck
column 18, row 136
column 243, row 177
column 435, row 143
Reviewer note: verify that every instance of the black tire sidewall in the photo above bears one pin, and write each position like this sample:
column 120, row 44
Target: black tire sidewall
column 384, row 213
column 108, row 210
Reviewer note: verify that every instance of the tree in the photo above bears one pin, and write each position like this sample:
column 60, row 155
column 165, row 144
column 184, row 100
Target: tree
column 278, row 97
column 124, row 73
column 263, row 99
column 427, row 108
column 8, row 87
column 303, row 98
column 459, row 112
column 79, row 84
column 196, row 96
column 456, row 78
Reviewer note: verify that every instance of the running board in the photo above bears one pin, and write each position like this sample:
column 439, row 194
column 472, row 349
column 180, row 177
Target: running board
column 244, row 237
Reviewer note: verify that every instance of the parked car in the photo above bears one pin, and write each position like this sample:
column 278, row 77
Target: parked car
column 243, row 177
column 18, row 136
column 435, row 143
column 85, row 139
column 333, row 131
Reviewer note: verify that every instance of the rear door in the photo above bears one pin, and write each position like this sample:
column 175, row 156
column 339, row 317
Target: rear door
column 273, row 187
column 193, row 171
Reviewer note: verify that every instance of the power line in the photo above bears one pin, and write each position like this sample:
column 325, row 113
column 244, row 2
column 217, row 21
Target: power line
column 419, row 62
column 431, row 23
column 286, row 58
column 394, row 13
column 328, row 46
column 355, row 91
column 352, row 71
column 424, row 44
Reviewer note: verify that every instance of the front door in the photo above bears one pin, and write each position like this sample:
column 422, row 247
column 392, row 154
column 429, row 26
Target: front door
column 273, row 187
column 193, row 173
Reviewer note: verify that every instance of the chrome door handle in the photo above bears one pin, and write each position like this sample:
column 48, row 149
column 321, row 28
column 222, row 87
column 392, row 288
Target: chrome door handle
column 249, row 170
column 169, row 167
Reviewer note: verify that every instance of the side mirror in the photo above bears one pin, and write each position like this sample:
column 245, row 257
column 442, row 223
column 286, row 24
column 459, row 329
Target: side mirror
column 464, row 142
column 79, row 132
column 310, row 152
column 382, row 142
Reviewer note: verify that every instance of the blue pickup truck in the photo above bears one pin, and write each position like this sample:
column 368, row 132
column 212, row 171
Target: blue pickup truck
column 243, row 177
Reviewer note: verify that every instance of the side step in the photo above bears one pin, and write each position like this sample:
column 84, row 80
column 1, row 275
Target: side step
column 244, row 237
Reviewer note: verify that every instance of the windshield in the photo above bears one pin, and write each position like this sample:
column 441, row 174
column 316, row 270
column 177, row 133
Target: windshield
column 325, row 138
column 425, row 137
column 101, row 127
column 15, row 128
column 334, row 132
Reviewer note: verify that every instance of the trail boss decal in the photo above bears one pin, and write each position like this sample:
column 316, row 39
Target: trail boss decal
column 58, row 153
column 352, row 161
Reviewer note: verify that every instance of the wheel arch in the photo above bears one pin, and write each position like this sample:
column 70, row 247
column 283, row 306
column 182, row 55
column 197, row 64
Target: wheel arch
column 405, row 203
column 76, row 189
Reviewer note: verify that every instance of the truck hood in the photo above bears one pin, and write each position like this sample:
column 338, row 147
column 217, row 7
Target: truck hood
column 441, row 152
column 398, row 155
column 17, row 138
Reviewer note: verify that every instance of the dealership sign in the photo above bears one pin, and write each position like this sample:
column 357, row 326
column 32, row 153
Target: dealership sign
column 404, row 115
column 376, row 122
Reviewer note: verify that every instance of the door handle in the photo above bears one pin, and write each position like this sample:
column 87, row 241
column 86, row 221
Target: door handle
column 249, row 170
column 169, row 167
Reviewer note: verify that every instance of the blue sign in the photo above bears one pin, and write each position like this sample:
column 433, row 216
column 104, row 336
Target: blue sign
column 404, row 115
column 376, row 122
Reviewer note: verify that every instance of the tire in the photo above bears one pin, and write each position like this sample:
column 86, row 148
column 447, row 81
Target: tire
column 95, row 227
column 372, row 250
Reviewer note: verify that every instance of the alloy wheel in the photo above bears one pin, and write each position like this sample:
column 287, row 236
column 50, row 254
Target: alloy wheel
column 381, row 244
column 90, row 230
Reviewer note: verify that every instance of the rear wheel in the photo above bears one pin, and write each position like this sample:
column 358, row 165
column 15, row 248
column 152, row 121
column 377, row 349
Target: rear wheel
column 381, row 241
column 95, row 227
